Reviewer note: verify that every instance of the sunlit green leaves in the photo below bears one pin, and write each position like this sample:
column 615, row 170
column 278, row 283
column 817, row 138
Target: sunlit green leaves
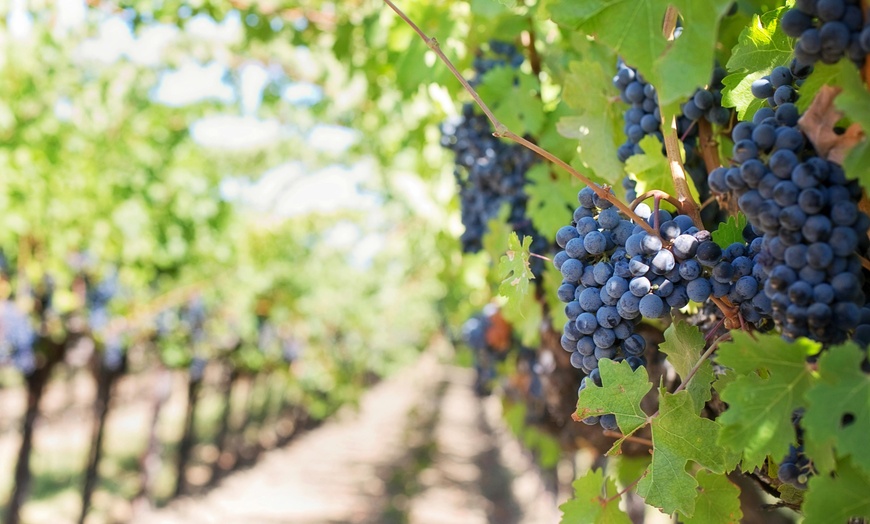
column 634, row 30
column 761, row 47
column 590, row 93
column 679, row 435
column 595, row 502
column 837, row 498
column 621, row 392
column 683, row 345
column 772, row 379
column 718, row 501
column 837, row 418
column 731, row 231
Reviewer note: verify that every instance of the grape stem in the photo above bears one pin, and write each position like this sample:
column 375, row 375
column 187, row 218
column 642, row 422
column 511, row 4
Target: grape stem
column 709, row 145
column 624, row 490
column 542, row 257
column 672, row 146
column 678, row 174
column 629, row 438
column 502, row 131
column 864, row 263
column 658, row 194
column 700, row 361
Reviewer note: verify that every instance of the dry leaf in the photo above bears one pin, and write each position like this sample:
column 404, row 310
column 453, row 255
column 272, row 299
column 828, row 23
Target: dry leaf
column 818, row 124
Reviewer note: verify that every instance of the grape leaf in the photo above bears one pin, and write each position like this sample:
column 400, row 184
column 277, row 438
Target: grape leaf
column 837, row 418
column 684, row 344
column 621, row 392
column 510, row 94
column 837, row 498
column 634, row 30
column 718, row 501
column 521, row 309
column 592, row 502
column 679, row 435
column 731, row 231
column 590, row 92
column 629, row 469
column 771, row 379
column 551, row 198
column 823, row 75
column 761, row 47
column 651, row 169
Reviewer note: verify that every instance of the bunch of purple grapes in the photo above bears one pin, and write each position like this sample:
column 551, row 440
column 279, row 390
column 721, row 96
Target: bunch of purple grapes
column 828, row 30
column 490, row 173
column 807, row 213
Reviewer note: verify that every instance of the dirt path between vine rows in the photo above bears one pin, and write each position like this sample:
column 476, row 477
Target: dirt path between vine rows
column 421, row 449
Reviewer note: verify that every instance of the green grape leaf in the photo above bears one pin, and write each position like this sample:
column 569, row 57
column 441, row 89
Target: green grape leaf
column 824, row 74
column 621, row 392
column 634, row 30
column 487, row 8
column 731, row 231
column 514, row 268
column 718, row 501
column 679, row 435
column 594, row 502
column 629, row 469
column 736, row 93
column 651, row 169
column 521, row 309
column 511, row 95
column 837, row 498
column 837, row 418
column 683, row 345
column 551, row 199
column 589, row 91
column 772, row 377
column 761, row 47
column 496, row 240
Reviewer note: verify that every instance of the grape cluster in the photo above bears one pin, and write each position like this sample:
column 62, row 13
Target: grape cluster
column 780, row 88
column 193, row 319
column 643, row 118
column 615, row 273
column 196, row 368
column 862, row 332
column 97, row 299
column 474, row 334
column 807, row 212
column 490, row 173
column 17, row 338
column 113, row 354
column 795, row 468
column 828, row 30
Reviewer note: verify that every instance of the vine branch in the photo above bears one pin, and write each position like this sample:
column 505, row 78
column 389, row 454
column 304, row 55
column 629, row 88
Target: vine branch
column 678, row 174
column 700, row 362
column 709, row 149
column 502, row 131
column 658, row 194
column 630, row 438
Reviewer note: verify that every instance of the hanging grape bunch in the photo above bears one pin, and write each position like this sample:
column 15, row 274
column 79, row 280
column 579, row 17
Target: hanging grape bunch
column 807, row 212
column 490, row 172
